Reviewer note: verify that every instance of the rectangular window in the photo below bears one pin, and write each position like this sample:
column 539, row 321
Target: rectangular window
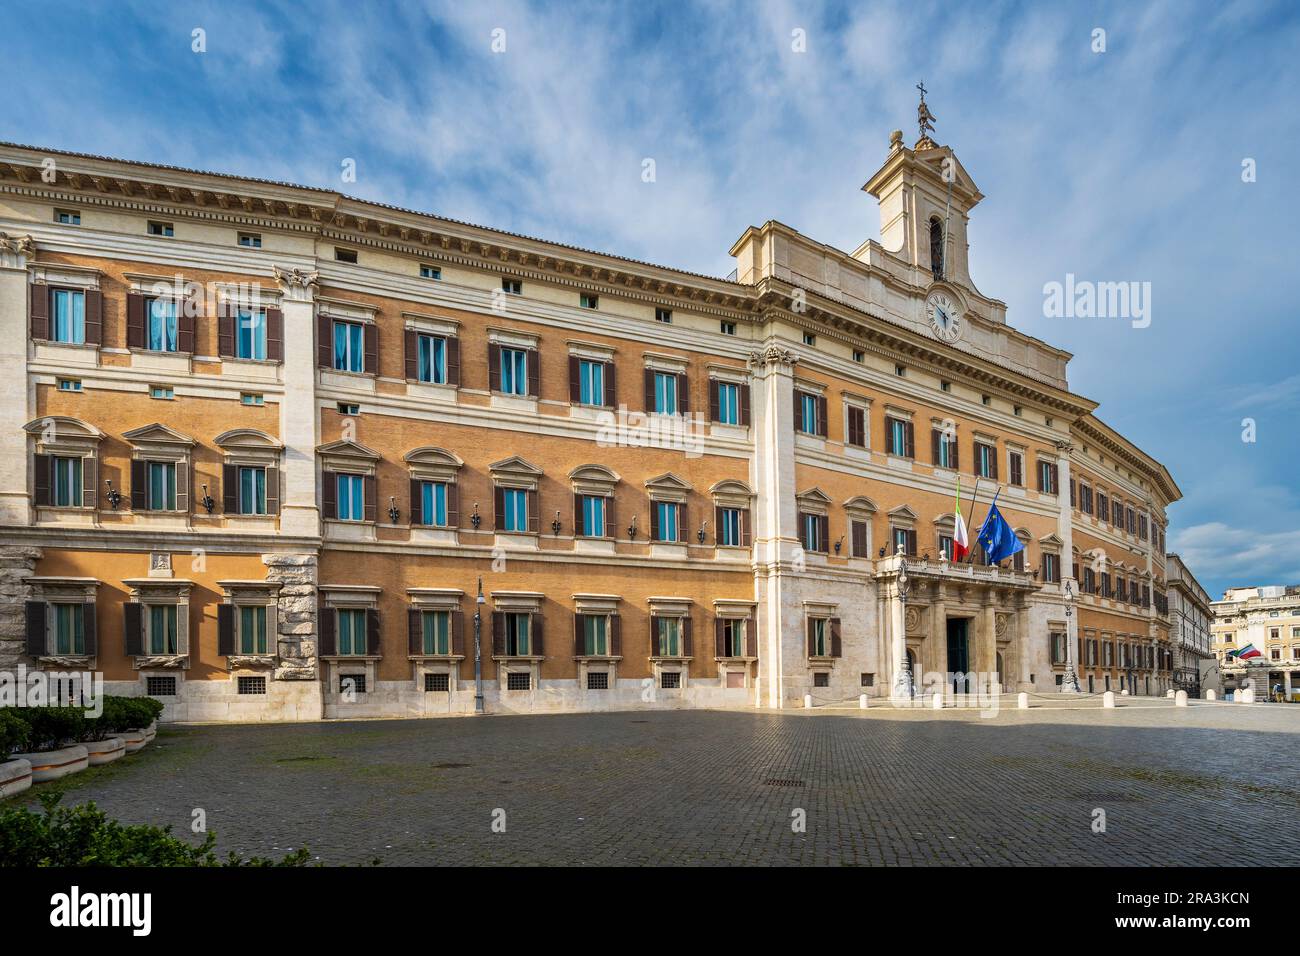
column 591, row 382
column 250, row 240
column 945, row 546
column 251, row 685
column 664, row 315
column 69, row 385
column 857, row 426
column 435, row 629
column 250, row 334
column 351, row 631
column 817, row 637
column 252, row 629
column 670, row 680
column 1016, row 465
column 518, row 628
column 252, row 490
column 514, row 371
column 729, row 527
column 430, row 272
column 519, row 680
column 160, row 477
column 433, row 503
column 665, row 393
column 513, row 286
column 897, row 434
column 727, row 328
column 351, row 500
column 1058, row 647
column 593, row 516
column 588, row 301
column 1047, row 477
column 68, row 321
column 945, row 450
column 809, row 339
column 349, row 347
column 439, row 683
column 666, row 515
column 810, row 532
column 352, row 683
column 516, row 508
column 164, row 392
column 1051, row 568
column 349, row 408
column 432, row 355
column 733, row 637
column 597, row 680
column 162, row 629
column 668, row 631
column 595, row 635
column 69, row 636
column 67, row 217
column 67, row 490
column 160, row 686
column 345, row 255
column 160, row 228
column 985, row 460
column 251, row 398
column 808, row 416
column 728, row 403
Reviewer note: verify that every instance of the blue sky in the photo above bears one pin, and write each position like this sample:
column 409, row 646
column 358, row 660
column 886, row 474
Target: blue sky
column 1123, row 165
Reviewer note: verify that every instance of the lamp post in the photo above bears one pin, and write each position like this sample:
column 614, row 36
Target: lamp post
column 903, row 688
column 1070, row 682
column 478, row 649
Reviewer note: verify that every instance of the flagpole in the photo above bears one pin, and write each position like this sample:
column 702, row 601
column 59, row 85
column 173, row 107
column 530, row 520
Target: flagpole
column 973, row 496
column 985, row 521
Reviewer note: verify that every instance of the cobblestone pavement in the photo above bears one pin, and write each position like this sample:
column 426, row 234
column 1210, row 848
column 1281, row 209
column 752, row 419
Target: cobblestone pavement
column 883, row 786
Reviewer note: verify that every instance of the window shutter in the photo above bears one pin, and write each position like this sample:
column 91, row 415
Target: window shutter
column 499, row 508
column 139, row 498
column 956, row 455
column 230, row 489
column 746, row 537
column 272, row 490
column 654, row 520
column 94, row 317
column 717, row 524
column 935, row 438
column 325, row 629
column 414, row 631
column 42, row 466
column 683, row 532
column 616, row 635
column 417, row 493
column 411, row 338
column 372, row 497
column 1072, row 493
column 812, row 638
column 578, row 529
column 185, row 309
column 822, row 418
column 225, row 630
column 575, row 383
column 372, row 349
column 611, row 392
column 837, row 646
column 1056, row 478
column 274, row 335
column 683, row 393
column 579, row 645
column 89, row 482
column 494, row 367
column 453, row 360
column 824, row 533
column 453, row 505
column 910, row 436
column 536, row 646
column 858, row 545
column 324, row 341
column 329, row 489
column 458, row 632
column 183, row 487
column 688, row 644
column 40, row 311
column 372, row 633
column 649, row 390
column 225, row 330
column 88, row 628
column 534, row 362
column 36, row 611
column 532, row 512
column 715, row 412
column 132, row 629
column 1016, row 464
column 911, row 543
column 611, row 524
column 718, row 650
column 134, row 320
column 798, row 411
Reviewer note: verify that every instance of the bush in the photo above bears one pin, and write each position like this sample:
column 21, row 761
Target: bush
column 145, row 711
column 121, row 714
column 51, row 726
column 84, row 836
column 14, row 733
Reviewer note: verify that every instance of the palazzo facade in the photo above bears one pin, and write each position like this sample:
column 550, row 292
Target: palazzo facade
column 262, row 444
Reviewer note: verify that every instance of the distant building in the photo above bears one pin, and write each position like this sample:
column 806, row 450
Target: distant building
column 1267, row 619
column 1190, row 617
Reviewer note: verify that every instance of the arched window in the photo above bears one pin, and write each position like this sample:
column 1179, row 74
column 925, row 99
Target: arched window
column 936, row 247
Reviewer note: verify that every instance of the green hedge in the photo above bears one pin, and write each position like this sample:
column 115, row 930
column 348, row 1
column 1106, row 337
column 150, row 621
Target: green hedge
column 14, row 733
column 51, row 726
column 85, row 836
column 46, row 728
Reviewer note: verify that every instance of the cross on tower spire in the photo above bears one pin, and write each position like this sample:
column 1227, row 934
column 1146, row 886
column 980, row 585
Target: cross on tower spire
column 925, row 121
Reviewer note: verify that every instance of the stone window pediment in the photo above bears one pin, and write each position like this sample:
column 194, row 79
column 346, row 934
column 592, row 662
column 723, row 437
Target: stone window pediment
column 59, row 434
column 813, row 501
column 518, row 602
column 435, row 599
column 347, row 456
column 596, row 603
column 668, row 487
column 593, row 479
column 1051, row 541
column 158, row 441
column 902, row 517
column 515, row 472
column 346, row 309
column 60, row 275
column 731, row 493
column 248, row 446
column 669, row 606
column 433, row 464
column 431, row 324
column 733, row 610
column 860, row 506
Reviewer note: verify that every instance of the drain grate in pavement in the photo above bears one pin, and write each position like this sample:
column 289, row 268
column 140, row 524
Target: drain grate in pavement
column 782, row 782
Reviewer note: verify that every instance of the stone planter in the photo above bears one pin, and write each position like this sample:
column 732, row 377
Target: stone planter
column 53, row 764
column 151, row 732
column 15, row 776
column 105, row 751
column 134, row 740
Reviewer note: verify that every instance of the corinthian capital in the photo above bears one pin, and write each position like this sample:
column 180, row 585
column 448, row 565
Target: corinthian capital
column 298, row 284
column 13, row 248
column 773, row 357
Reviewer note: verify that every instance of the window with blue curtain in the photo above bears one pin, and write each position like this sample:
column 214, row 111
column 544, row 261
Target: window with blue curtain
column 351, row 632
column 898, row 436
column 432, row 351
column 728, row 404
column 251, row 334
column 252, row 491
column 161, row 485
column 514, row 371
column 433, row 503
column 665, row 393
column 351, row 499
column 945, row 451
column 811, row 532
column 69, row 318
column 436, row 631
column 161, row 334
column 517, row 628
column 516, row 507
column 667, row 514
column 593, row 516
column 984, row 461
column 349, row 347
column 729, row 527
column 67, row 482
column 591, row 382
column 252, row 629
column 162, row 629
column 69, row 633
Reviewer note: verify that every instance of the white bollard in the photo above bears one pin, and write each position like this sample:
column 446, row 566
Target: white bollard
column 1246, row 696
column 1169, row 693
column 807, row 701
column 1123, row 692
column 1108, row 699
column 1022, row 700
column 1209, row 695
column 1180, row 699
column 862, row 701
column 937, row 701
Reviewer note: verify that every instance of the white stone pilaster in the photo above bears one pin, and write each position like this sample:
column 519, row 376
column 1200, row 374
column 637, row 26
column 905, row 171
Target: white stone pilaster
column 15, row 395
column 299, row 418
column 1065, row 531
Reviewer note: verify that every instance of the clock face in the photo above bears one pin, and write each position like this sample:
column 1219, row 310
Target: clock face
column 945, row 317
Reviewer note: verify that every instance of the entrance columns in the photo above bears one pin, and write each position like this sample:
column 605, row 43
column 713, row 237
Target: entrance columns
column 986, row 653
column 299, row 416
column 939, row 632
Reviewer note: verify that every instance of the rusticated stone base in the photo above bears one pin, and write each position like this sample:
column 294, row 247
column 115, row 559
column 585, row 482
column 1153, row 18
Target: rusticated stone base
column 17, row 562
column 296, row 637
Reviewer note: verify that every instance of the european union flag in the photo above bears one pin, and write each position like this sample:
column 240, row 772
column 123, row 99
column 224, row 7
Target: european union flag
column 997, row 538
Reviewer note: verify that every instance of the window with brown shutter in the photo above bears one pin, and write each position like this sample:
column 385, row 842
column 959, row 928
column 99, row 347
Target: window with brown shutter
column 94, row 317
column 858, row 540
column 39, row 308
column 857, row 418
column 683, row 394
column 1017, row 465
column 225, row 630
column 534, row 365
column 324, row 341
column 35, row 628
column 372, row 349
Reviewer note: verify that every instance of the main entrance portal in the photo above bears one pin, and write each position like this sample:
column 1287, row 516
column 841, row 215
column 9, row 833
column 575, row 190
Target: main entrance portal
column 959, row 654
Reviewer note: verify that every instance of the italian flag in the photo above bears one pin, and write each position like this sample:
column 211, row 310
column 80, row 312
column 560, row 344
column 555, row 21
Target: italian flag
column 960, row 543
